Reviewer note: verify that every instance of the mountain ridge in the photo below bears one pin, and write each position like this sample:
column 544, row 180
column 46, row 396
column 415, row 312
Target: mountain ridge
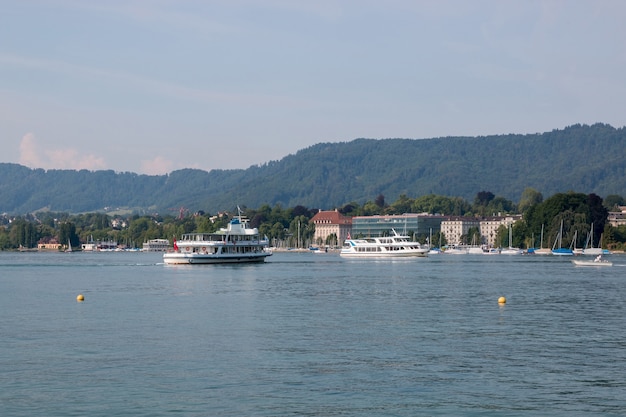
column 582, row 158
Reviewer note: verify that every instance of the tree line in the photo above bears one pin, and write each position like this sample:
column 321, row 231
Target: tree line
column 293, row 227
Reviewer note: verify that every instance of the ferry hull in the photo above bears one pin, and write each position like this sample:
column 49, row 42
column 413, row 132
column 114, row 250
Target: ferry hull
column 351, row 253
column 194, row 259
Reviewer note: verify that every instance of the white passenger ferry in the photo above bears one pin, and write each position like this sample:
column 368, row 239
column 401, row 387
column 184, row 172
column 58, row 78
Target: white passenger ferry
column 235, row 244
column 383, row 247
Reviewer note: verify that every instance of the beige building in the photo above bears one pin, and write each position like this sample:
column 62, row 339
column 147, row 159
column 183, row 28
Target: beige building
column 489, row 226
column 331, row 222
column 49, row 243
column 454, row 228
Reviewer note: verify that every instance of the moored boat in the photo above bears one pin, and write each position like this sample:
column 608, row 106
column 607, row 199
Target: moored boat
column 560, row 250
column 386, row 247
column 455, row 250
column 236, row 243
column 156, row 245
column 542, row 250
column 511, row 250
column 589, row 249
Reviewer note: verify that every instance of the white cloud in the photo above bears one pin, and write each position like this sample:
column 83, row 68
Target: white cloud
column 29, row 155
column 156, row 166
column 34, row 155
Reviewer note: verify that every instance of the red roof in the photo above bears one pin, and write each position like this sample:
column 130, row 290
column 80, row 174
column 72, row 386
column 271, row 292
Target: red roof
column 331, row 217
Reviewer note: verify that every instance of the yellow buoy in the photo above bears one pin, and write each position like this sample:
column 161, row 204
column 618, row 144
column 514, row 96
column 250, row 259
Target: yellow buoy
column 502, row 300
column 80, row 297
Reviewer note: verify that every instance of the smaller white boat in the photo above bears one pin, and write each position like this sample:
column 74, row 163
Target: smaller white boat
column 475, row 250
column 454, row 250
column 511, row 251
column 597, row 261
column 383, row 247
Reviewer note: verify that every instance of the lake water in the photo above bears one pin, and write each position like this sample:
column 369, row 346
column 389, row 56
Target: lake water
column 311, row 335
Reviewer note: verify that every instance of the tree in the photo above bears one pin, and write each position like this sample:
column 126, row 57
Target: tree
column 301, row 211
column 370, row 209
column 67, row 235
column 483, row 198
column 473, row 236
column 331, row 240
column 502, row 237
column 203, row 224
column 350, row 209
column 530, row 197
column 598, row 214
column 401, row 205
column 612, row 201
column 499, row 205
column 23, row 234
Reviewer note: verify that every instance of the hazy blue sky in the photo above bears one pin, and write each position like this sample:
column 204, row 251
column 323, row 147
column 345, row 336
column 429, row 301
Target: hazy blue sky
column 151, row 86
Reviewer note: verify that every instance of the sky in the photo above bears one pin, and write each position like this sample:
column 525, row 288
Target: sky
column 153, row 86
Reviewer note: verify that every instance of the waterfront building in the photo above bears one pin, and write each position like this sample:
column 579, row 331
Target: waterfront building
column 331, row 222
column 489, row 226
column 48, row 243
column 410, row 224
column 454, row 228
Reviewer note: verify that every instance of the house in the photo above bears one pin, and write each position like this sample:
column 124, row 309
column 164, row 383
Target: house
column 48, row 243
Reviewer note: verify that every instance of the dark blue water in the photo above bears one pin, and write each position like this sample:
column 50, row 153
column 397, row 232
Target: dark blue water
column 310, row 335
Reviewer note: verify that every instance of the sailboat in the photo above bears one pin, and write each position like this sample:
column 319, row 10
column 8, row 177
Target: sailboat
column 561, row 251
column 433, row 250
column 542, row 250
column 589, row 249
column 69, row 246
column 511, row 250
column 475, row 249
column 572, row 246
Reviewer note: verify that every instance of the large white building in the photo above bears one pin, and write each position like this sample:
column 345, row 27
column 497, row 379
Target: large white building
column 453, row 228
column 489, row 226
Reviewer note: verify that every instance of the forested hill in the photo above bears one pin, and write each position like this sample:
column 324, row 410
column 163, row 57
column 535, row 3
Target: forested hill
column 587, row 159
